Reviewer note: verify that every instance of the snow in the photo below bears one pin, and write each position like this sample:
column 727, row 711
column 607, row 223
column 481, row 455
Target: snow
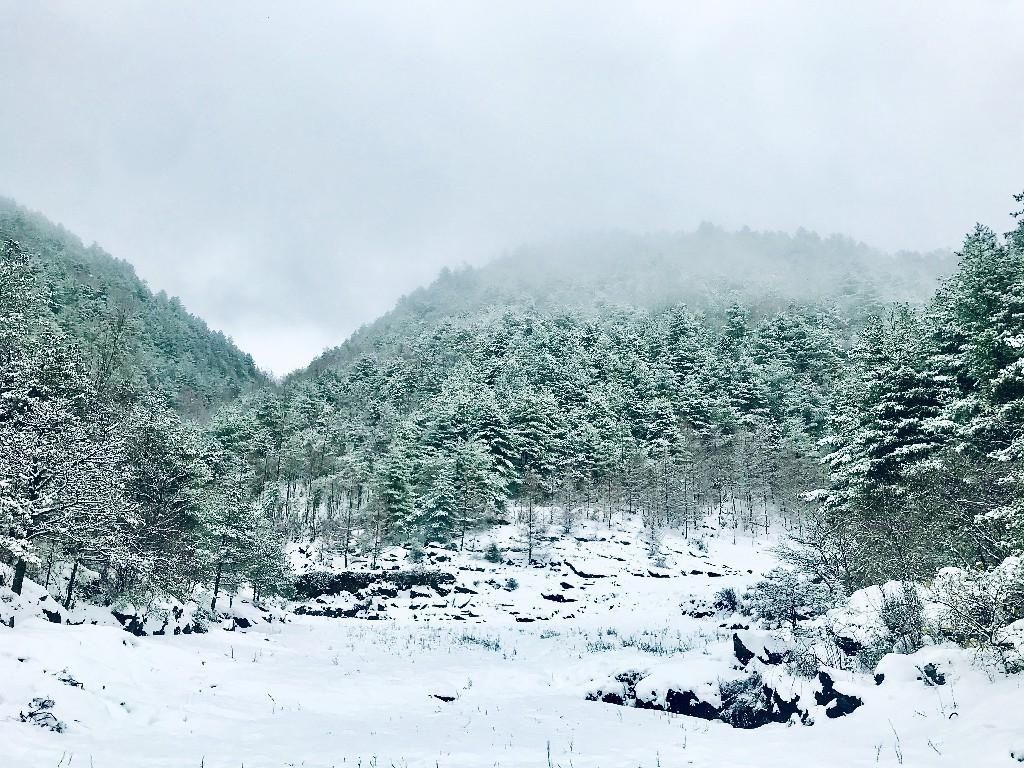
column 701, row 674
column 859, row 617
column 459, row 681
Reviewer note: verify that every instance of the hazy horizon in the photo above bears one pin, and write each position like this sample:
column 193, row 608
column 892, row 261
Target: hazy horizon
column 289, row 177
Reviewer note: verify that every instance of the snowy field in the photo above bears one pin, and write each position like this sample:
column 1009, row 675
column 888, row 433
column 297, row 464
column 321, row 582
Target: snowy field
column 483, row 676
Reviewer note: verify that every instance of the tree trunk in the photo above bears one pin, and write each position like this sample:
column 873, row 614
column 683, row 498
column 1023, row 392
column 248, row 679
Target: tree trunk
column 348, row 527
column 529, row 535
column 216, row 585
column 19, row 576
column 49, row 568
column 71, row 584
column 220, row 571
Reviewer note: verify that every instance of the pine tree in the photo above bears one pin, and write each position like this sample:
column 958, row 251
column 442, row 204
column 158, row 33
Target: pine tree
column 56, row 479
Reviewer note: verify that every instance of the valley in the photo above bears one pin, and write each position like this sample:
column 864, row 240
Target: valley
column 482, row 675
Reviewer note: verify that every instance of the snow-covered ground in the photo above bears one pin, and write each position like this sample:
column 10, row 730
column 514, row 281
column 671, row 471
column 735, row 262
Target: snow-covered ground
column 478, row 674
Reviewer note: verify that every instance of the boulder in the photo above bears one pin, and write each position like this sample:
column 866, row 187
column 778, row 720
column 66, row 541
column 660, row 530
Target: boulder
column 838, row 704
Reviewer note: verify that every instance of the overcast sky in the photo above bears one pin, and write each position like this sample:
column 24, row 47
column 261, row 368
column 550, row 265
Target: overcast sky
column 289, row 169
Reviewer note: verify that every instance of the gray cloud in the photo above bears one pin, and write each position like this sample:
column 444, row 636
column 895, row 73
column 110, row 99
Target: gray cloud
column 290, row 169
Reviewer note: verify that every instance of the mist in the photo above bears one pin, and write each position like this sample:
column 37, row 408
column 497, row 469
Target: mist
column 290, row 172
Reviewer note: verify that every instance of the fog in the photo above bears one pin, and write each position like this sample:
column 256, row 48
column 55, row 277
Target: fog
column 290, row 169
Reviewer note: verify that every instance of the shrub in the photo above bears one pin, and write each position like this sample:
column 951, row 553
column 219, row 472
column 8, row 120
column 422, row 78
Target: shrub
column 744, row 702
column 976, row 607
column 511, row 584
column 493, row 554
column 726, row 600
column 871, row 653
column 903, row 617
column 785, row 598
column 802, row 661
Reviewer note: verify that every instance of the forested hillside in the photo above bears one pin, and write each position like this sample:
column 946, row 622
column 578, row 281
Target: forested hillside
column 137, row 338
column 110, row 477
column 708, row 270
column 667, row 375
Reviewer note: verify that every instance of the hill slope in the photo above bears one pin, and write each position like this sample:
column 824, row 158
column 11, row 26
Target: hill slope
column 100, row 302
column 708, row 270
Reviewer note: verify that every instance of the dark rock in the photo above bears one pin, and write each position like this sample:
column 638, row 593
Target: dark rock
column 740, row 651
column 556, row 598
column 333, row 613
column 131, row 623
column 848, row 645
column 687, row 703
column 656, row 575
column 698, row 614
column 52, row 616
column 241, row 622
column 442, row 697
column 879, row 678
column 584, row 574
column 566, row 585
column 931, row 675
column 772, row 657
column 317, row 583
column 622, row 692
column 461, row 590
column 785, row 709
column 839, row 704
column 746, row 703
column 749, row 703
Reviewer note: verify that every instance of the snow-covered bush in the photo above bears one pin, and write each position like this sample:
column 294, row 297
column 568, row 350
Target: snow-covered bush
column 876, row 621
column 743, row 701
column 40, row 713
column 902, row 614
column 802, row 661
column 785, row 598
column 493, row 554
column 984, row 608
column 726, row 600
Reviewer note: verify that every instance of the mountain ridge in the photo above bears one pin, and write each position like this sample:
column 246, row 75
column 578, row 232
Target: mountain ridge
column 706, row 269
